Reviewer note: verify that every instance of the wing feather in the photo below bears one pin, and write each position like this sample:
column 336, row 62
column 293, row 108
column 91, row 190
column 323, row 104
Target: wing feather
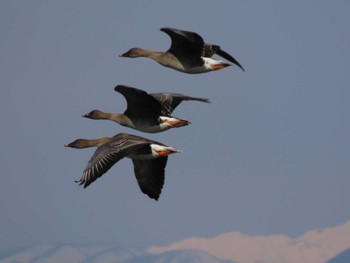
column 150, row 175
column 107, row 155
column 139, row 103
column 170, row 101
column 185, row 43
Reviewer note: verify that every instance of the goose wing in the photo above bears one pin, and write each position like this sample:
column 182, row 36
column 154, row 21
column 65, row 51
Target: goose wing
column 189, row 45
column 108, row 154
column 150, row 175
column 184, row 43
column 170, row 101
column 210, row 50
column 139, row 103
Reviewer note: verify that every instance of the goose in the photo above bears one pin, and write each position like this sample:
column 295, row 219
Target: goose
column 149, row 159
column 188, row 53
column 145, row 112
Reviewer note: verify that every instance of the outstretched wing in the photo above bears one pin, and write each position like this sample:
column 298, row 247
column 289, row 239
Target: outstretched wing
column 210, row 50
column 150, row 175
column 106, row 156
column 139, row 103
column 170, row 101
column 184, row 43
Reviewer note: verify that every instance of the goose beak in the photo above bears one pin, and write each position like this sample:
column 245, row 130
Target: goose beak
column 167, row 152
column 220, row 66
column 178, row 123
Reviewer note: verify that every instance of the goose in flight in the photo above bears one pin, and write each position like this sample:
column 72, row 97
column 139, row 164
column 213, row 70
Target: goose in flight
column 188, row 53
column 149, row 159
column 146, row 112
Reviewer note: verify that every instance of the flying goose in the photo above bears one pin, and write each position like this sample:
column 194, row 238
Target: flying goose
column 146, row 112
column 188, row 53
column 149, row 159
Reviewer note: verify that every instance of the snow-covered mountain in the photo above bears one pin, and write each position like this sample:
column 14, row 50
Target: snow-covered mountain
column 330, row 245
column 102, row 254
column 312, row 247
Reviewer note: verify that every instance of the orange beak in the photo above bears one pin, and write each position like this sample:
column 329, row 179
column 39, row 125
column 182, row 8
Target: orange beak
column 178, row 123
column 164, row 153
column 167, row 152
column 220, row 66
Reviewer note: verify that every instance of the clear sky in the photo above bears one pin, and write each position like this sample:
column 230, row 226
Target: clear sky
column 269, row 155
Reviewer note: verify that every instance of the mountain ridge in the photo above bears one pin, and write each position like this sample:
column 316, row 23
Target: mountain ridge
column 51, row 253
column 315, row 246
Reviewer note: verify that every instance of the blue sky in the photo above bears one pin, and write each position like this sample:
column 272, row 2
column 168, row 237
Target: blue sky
column 269, row 155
